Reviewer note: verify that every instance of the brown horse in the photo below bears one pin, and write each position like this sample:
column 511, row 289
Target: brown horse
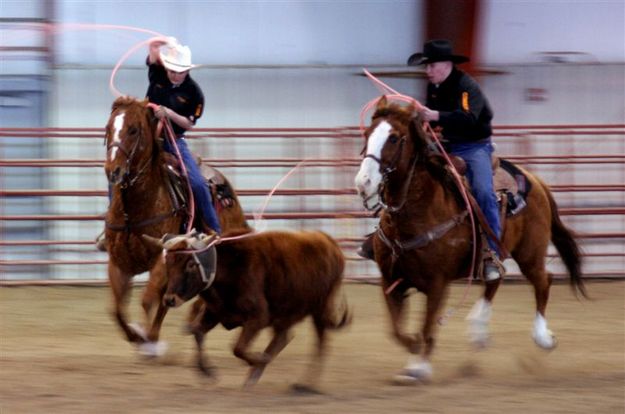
column 142, row 203
column 425, row 241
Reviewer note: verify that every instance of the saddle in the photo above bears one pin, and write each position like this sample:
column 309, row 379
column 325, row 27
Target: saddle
column 222, row 194
column 511, row 185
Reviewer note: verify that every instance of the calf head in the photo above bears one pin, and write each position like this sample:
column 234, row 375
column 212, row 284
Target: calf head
column 190, row 262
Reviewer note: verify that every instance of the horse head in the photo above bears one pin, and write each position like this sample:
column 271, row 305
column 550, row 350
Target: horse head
column 395, row 143
column 130, row 140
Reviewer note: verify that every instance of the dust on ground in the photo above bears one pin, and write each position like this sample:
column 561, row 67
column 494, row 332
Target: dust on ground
column 60, row 352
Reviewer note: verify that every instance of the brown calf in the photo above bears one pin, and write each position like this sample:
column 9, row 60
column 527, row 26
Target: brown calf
column 270, row 279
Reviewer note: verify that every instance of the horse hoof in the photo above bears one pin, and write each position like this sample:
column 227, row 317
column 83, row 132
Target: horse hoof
column 409, row 379
column 547, row 342
column 303, row 389
column 415, row 375
column 253, row 377
column 138, row 330
column 153, row 349
column 209, row 372
column 479, row 334
column 480, row 341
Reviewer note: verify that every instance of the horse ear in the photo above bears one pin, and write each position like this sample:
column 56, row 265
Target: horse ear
column 382, row 103
column 417, row 135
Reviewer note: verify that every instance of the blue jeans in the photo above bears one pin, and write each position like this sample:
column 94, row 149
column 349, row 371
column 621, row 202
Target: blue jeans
column 480, row 175
column 199, row 186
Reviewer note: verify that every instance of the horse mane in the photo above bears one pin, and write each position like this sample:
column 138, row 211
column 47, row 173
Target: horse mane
column 128, row 101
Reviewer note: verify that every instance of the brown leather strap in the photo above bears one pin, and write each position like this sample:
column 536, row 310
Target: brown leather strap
column 484, row 224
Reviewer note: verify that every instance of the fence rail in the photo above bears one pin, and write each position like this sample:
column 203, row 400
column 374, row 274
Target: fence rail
column 524, row 137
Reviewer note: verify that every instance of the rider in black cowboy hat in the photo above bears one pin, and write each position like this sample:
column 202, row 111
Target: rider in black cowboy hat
column 456, row 106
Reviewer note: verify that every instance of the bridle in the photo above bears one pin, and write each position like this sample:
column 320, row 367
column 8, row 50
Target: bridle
column 386, row 169
column 127, row 180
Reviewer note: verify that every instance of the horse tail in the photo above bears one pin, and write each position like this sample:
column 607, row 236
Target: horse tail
column 568, row 249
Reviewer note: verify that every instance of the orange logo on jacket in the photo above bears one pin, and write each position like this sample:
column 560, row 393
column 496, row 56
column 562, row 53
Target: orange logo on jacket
column 465, row 101
column 198, row 111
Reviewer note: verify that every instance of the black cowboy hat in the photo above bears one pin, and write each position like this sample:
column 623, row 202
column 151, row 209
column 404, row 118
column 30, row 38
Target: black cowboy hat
column 438, row 50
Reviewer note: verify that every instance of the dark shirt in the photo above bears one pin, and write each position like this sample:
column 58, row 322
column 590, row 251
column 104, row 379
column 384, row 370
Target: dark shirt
column 464, row 111
column 186, row 99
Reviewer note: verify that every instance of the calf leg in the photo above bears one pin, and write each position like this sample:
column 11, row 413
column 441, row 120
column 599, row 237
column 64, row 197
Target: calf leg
column 281, row 339
column 251, row 328
column 203, row 323
column 313, row 373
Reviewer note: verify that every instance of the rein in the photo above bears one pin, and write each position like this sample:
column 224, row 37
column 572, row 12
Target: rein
column 127, row 183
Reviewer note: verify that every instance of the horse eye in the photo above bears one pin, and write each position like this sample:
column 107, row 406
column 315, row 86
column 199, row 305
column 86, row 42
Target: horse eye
column 393, row 138
column 133, row 130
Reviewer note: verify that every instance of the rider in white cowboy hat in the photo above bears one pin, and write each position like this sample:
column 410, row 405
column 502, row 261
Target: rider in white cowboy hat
column 181, row 100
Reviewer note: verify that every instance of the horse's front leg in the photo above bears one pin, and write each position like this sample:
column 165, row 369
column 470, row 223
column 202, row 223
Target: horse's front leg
column 120, row 287
column 152, row 297
column 418, row 367
column 395, row 303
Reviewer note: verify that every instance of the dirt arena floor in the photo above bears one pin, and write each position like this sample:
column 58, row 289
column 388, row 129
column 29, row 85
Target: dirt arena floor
column 61, row 353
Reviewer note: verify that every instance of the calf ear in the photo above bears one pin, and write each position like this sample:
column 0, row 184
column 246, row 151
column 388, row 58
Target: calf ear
column 152, row 241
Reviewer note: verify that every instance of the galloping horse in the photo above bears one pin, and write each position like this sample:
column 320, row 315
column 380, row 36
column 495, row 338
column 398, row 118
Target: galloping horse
column 424, row 239
column 142, row 203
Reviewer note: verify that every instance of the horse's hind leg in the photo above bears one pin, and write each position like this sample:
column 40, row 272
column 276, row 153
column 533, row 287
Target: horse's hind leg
column 534, row 269
column 120, row 286
column 479, row 316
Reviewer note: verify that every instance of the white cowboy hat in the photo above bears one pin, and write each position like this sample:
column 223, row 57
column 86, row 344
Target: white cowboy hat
column 176, row 58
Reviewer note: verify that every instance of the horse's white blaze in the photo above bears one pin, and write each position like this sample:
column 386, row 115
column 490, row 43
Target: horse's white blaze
column 369, row 177
column 118, row 125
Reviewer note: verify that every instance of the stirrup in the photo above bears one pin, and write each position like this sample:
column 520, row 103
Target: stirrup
column 493, row 267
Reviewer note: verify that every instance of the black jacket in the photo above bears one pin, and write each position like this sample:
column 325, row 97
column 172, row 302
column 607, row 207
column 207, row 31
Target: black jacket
column 465, row 113
column 186, row 100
